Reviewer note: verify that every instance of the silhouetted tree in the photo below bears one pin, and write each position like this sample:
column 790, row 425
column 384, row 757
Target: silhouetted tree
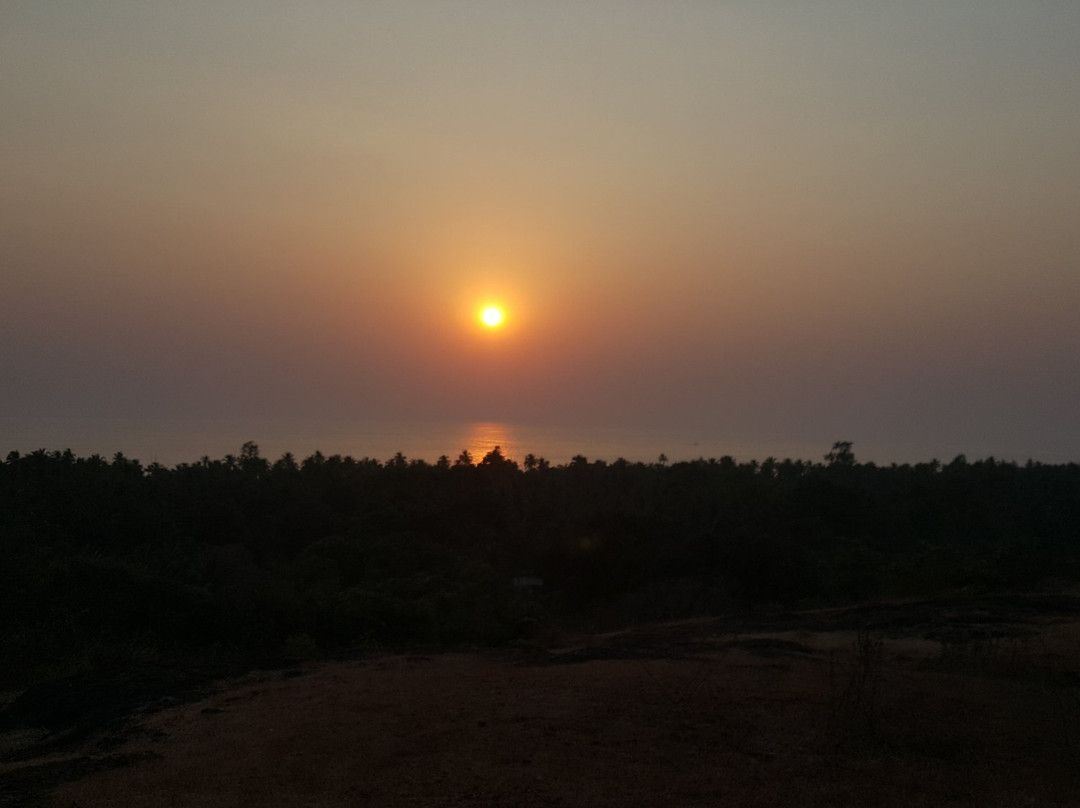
column 101, row 557
column 841, row 454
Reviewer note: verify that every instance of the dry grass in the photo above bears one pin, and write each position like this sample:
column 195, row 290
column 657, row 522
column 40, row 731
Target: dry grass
column 765, row 718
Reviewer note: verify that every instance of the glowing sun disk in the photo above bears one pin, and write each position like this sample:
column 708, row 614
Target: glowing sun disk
column 491, row 316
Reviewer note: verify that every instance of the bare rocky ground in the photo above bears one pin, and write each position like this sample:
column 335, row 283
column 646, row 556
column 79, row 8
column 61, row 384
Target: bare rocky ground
column 953, row 701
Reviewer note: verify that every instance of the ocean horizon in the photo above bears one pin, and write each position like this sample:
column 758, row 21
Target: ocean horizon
column 175, row 441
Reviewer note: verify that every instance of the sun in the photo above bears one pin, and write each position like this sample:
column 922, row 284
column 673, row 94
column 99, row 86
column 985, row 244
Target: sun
column 492, row 317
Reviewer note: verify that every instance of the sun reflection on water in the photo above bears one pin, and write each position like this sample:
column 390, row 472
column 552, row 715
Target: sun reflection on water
column 485, row 436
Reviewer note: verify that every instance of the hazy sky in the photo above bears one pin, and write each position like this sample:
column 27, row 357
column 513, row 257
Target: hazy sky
column 818, row 221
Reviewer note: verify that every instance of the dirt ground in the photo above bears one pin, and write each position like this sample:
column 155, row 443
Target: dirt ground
column 956, row 701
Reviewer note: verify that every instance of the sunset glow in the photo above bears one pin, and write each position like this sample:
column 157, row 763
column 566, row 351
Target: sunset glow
column 781, row 220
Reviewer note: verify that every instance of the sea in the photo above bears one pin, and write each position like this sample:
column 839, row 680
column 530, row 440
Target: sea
column 172, row 442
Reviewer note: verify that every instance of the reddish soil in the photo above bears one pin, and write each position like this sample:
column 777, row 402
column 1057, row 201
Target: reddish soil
column 952, row 702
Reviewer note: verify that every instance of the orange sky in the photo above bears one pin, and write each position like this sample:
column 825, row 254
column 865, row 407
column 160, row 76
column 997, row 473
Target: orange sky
column 808, row 220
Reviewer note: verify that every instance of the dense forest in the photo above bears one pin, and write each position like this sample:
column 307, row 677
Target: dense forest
column 103, row 561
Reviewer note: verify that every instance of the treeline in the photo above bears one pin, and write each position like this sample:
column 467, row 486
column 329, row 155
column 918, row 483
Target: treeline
column 104, row 560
